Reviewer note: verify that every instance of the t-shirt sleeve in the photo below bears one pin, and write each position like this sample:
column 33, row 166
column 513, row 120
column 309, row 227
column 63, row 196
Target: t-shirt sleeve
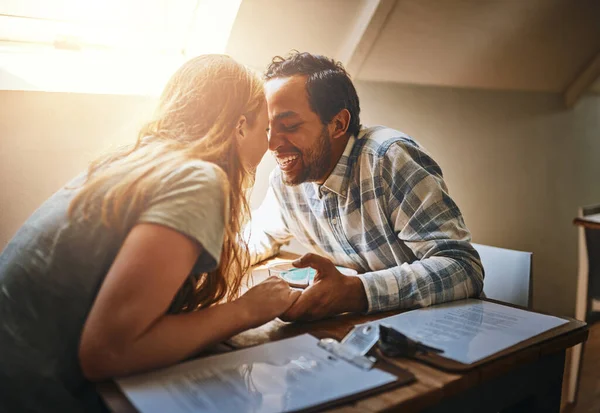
column 192, row 201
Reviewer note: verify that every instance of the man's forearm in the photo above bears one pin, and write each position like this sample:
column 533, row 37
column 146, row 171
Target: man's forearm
column 357, row 297
column 261, row 246
column 423, row 283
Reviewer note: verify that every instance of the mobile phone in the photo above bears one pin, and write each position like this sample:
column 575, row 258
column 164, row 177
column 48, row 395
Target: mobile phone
column 298, row 277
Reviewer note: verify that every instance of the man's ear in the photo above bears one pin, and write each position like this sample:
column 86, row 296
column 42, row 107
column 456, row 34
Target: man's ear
column 241, row 127
column 339, row 124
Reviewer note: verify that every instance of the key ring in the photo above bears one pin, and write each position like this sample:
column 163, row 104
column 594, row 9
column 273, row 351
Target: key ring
column 393, row 343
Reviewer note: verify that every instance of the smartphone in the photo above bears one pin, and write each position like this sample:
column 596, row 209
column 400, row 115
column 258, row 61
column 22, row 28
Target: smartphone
column 299, row 277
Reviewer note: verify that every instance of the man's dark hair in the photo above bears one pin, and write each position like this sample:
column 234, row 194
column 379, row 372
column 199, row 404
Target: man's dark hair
column 328, row 85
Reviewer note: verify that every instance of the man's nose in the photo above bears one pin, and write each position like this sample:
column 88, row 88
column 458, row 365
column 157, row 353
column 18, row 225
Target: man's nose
column 275, row 140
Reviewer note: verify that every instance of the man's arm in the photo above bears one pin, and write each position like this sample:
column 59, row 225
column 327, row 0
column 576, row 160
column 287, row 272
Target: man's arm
column 424, row 217
column 267, row 231
column 428, row 222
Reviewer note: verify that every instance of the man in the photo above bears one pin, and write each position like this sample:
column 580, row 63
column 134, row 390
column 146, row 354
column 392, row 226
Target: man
column 367, row 198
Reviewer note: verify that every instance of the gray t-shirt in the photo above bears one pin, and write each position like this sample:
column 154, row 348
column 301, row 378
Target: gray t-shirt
column 50, row 273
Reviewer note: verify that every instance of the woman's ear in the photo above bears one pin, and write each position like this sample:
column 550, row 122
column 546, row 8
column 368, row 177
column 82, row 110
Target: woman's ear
column 340, row 123
column 241, row 128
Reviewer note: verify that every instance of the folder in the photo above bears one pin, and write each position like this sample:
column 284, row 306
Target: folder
column 301, row 373
column 469, row 333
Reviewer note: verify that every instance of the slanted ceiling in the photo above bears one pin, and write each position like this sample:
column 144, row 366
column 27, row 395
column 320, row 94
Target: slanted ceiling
column 265, row 28
column 531, row 45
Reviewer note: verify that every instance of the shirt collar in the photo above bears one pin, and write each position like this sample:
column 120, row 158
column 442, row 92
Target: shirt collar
column 337, row 181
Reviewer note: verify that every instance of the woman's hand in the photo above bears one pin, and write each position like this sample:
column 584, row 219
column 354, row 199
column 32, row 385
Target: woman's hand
column 267, row 300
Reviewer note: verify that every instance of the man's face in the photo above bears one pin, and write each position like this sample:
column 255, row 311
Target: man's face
column 299, row 141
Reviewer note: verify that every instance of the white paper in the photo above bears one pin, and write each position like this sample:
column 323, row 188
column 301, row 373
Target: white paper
column 282, row 376
column 471, row 330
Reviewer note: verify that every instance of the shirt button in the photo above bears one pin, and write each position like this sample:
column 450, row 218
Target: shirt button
column 334, row 221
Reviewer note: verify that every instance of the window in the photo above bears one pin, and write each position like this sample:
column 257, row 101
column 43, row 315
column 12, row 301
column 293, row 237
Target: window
column 129, row 41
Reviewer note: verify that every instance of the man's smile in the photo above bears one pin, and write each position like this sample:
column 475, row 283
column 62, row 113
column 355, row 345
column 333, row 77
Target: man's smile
column 287, row 161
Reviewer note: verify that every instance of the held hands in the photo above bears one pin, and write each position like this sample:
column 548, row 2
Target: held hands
column 267, row 300
column 331, row 292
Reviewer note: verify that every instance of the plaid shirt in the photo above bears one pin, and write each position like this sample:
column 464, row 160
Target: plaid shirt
column 384, row 211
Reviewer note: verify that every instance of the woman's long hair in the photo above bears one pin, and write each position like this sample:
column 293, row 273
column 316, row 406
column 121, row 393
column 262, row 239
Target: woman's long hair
column 196, row 118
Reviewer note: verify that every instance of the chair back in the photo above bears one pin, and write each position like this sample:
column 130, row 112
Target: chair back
column 507, row 274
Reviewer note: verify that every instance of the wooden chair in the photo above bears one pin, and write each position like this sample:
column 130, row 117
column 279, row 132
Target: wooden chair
column 507, row 274
column 587, row 301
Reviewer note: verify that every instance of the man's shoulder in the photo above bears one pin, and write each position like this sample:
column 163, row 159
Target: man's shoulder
column 381, row 145
column 378, row 141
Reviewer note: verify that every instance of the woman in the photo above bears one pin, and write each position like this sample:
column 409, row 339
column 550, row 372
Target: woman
column 138, row 264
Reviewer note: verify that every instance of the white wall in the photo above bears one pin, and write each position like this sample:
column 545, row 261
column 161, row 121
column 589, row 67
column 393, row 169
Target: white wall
column 518, row 164
column 48, row 138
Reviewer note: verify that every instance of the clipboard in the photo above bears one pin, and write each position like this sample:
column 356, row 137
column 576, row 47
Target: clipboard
column 443, row 361
column 299, row 374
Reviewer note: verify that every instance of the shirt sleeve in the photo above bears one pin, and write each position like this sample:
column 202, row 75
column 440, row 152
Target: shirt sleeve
column 267, row 231
column 427, row 221
column 192, row 201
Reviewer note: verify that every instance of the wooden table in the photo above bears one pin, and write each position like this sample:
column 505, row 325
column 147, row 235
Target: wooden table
column 527, row 378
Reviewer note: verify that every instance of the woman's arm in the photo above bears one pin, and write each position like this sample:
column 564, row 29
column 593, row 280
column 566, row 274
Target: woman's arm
column 128, row 330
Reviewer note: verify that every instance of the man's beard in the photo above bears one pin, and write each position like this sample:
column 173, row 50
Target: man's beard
column 317, row 161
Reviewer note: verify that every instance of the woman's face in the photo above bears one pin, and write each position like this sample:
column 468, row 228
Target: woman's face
column 254, row 143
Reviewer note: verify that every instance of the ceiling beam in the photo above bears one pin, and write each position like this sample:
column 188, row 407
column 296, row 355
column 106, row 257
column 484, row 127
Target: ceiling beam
column 369, row 23
column 582, row 82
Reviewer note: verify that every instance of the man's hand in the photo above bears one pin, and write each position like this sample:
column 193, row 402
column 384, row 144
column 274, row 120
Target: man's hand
column 331, row 292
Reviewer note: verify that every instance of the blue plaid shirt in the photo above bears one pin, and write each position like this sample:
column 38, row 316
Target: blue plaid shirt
column 384, row 211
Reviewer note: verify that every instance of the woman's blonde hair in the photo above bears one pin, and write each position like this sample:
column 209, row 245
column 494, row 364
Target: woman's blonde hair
column 196, row 118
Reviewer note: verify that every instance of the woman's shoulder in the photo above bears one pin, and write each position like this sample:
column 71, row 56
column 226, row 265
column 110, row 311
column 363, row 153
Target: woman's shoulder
column 198, row 172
